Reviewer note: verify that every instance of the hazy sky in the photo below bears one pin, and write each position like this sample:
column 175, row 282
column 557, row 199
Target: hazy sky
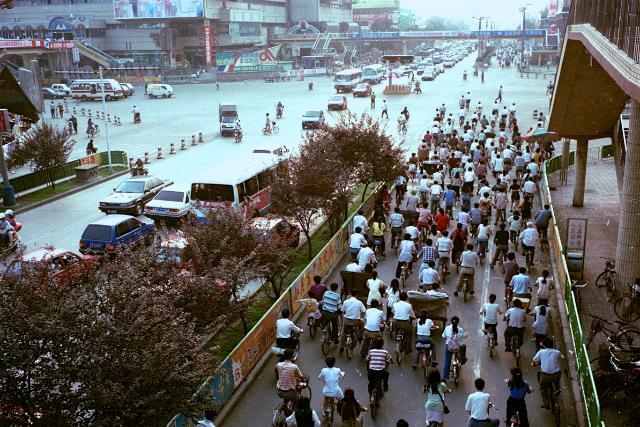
column 504, row 12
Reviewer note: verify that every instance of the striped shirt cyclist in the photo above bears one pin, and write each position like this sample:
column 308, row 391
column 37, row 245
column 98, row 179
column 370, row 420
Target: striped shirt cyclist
column 331, row 302
column 378, row 359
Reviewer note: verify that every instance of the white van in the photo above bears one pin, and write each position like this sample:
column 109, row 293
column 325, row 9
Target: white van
column 159, row 90
column 91, row 89
column 61, row 87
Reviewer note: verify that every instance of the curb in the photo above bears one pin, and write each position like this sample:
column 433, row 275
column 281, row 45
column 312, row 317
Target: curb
column 70, row 192
column 567, row 342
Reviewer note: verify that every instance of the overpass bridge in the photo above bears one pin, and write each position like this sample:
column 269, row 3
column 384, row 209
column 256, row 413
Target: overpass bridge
column 311, row 37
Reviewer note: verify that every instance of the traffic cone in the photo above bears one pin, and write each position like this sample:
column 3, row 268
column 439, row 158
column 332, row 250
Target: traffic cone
column 159, row 153
column 108, row 118
column 130, row 162
column 146, row 157
column 193, row 140
column 200, row 138
column 90, row 114
column 183, row 144
column 82, row 112
column 172, row 150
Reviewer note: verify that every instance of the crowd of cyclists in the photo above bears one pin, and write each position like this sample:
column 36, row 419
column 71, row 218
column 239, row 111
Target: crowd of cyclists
column 472, row 181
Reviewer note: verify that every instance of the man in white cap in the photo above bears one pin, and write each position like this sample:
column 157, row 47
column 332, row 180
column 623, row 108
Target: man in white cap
column 11, row 219
column 6, row 231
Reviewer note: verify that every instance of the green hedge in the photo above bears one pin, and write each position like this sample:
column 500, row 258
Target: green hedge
column 27, row 182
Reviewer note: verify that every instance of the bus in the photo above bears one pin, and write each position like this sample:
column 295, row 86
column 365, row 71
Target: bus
column 347, row 80
column 402, row 59
column 243, row 184
column 373, row 73
column 91, row 89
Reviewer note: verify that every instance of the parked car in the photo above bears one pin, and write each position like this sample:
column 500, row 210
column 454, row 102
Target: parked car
column 131, row 195
column 125, row 90
column 67, row 266
column 173, row 201
column 363, row 89
column 111, row 232
column 130, row 88
column 48, row 93
column 337, row 102
column 312, row 119
column 61, row 87
column 270, row 227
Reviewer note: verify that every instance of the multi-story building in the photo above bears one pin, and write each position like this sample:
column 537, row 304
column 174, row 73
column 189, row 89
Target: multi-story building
column 378, row 15
column 140, row 31
column 332, row 15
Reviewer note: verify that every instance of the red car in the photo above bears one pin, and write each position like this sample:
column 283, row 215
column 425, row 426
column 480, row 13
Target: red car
column 66, row 265
column 363, row 89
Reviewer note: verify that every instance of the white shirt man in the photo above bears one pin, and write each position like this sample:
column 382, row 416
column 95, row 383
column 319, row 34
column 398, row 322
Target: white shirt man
column 498, row 164
column 532, row 167
column 412, row 231
column 478, row 405
column 353, row 308
column 437, row 176
column 366, row 256
column 359, row 221
column 490, row 311
column 356, row 240
column 435, row 190
column 373, row 317
column 529, row 236
column 429, row 276
column 444, row 245
column 284, row 328
column 529, row 187
column 353, row 267
column 549, row 360
column 516, row 317
column 463, row 218
column 402, row 310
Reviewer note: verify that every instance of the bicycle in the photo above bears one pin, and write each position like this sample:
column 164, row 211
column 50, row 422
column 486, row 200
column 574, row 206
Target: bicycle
column 465, row 287
column 327, row 339
column 456, row 366
column 329, row 414
column 444, row 269
column 425, row 359
column 508, row 296
column 623, row 338
column 350, row 341
column 312, row 325
column 514, row 342
column 402, row 128
column 491, row 340
column 529, row 255
column 377, row 247
column 404, row 273
column 286, row 408
column 607, row 278
column 375, row 397
column 273, row 129
column 399, row 350
column 627, row 307
column 482, row 250
column 553, row 394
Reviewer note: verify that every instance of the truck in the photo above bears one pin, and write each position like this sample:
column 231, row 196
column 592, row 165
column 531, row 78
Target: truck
column 227, row 116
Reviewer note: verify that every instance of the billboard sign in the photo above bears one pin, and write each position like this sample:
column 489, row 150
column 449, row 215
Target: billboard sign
column 376, row 4
column 157, row 9
column 208, row 45
column 260, row 60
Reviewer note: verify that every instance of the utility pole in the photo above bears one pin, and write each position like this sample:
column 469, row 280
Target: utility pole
column 480, row 19
column 523, row 10
column 106, row 124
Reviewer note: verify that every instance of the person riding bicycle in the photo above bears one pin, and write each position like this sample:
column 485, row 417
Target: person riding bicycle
column 459, row 239
column 303, row 416
column 423, row 336
column 542, row 218
column 454, row 342
column 529, row 238
column 330, row 377
column 483, row 234
column 518, row 389
column 444, row 246
column 549, row 360
column 284, row 328
column 402, row 122
column 521, row 284
column 6, row 231
column 352, row 309
column 478, row 405
column 331, row 304
column 267, row 124
column 402, row 320
column 373, row 319
column 475, row 215
column 279, row 108
column 405, row 112
column 288, row 373
column 138, row 167
column 378, row 360
column 378, row 228
column 468, row 263
column 516, row 318
column 396, row 221
column 490, row 312
column 428, row 275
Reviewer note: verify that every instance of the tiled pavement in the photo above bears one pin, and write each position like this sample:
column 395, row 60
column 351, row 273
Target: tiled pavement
column 602, row 209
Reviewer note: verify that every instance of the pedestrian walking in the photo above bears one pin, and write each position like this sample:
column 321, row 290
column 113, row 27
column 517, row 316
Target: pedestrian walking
column 52, row 108
column 373, row 100
column 499, row 97
column 60, row 110
column 385, row 111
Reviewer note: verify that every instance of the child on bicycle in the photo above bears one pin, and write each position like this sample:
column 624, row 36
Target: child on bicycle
column 518, row 389
column 313, row 308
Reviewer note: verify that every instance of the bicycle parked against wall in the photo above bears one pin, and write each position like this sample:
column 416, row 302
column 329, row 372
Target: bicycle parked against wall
column 607, row 278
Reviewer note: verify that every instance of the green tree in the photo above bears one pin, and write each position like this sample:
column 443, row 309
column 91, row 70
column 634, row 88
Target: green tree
column 44, row 147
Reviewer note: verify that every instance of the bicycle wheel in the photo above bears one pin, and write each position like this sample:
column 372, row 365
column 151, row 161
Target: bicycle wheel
column 555, row 407
column 275, row 130
column 601, row 280
column 374, row 405
column 313, row 329
column 628, row 339
column 626, row 309
column 326, row 342
column 349, row 348
column 399, row 352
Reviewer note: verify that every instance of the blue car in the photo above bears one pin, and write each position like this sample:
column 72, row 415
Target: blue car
column 112, row 231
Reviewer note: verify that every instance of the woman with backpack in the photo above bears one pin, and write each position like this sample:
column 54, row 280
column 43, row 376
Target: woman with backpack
column 454, row 342
column 518, row 389
column 350, row 410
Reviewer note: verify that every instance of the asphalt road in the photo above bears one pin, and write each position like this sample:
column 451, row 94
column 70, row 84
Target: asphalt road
column 405, row 399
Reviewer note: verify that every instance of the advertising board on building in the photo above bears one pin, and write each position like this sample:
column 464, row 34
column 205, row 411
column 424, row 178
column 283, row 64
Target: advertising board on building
column 375, row 4
column 208, row 48
column 259, row 60
column 157, row 9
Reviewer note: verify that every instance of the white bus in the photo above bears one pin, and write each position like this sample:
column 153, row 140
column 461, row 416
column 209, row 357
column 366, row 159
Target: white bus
column 91, row 89
column 346, row 80
column 243, row 184
column 373, row 73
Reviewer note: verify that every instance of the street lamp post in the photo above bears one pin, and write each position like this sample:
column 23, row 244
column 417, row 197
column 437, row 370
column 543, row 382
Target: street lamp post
column 523, row 10
column 480, row 19
column 106, row 124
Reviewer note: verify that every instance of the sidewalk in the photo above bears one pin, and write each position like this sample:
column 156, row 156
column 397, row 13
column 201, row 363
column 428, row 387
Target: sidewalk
column 602, row 209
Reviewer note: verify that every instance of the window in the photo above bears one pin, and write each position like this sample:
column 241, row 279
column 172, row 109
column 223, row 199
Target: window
column 251, row 186
column 70, row 259
column 101, row 233
column 213, row 192
column 122, row 229
column 170, row 196
column 187, row 32
column 264, row 179
column 241, row 192
column 133, row 224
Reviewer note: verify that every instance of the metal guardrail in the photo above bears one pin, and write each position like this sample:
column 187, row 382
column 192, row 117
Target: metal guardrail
column 583, row 365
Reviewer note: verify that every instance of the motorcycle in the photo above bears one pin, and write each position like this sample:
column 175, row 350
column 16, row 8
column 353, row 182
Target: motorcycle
column 238, row 135
column 279, row 111
column 136, row 118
